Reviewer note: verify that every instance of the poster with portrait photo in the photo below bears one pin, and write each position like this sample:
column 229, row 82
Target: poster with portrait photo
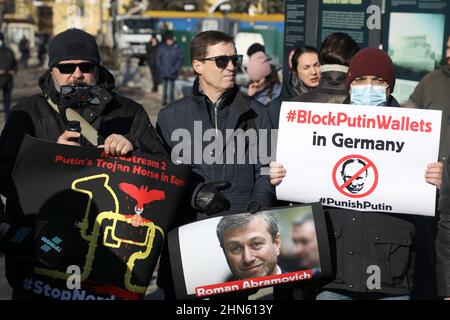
column 238, row 252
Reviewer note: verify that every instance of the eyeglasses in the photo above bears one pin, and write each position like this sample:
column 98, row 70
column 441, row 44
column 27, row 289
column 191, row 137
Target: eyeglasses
column 222, row 61
column 69, row 68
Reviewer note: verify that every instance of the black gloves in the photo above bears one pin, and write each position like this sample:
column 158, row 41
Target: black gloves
column 209, row 200
column 254, row 206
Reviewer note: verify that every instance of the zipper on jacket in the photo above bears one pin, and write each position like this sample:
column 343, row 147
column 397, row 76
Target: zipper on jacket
column 216, row 109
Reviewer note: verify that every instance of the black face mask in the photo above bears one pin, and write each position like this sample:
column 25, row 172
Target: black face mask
column 80, row 95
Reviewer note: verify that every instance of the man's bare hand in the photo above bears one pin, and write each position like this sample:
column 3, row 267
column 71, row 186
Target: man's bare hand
column 277, row 173
column 433, row 173
column 66, row 137
column 117, row 145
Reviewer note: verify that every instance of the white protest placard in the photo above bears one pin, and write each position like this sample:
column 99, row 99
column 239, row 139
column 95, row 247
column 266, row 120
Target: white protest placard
column 358, row 157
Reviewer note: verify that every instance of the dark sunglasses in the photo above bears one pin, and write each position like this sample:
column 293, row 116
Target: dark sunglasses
column 69, row 68
column 222, row 61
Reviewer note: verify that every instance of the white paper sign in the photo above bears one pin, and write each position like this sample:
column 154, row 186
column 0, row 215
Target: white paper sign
column 358, row 157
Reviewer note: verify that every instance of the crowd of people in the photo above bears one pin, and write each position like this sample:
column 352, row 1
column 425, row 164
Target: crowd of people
column 339, row 72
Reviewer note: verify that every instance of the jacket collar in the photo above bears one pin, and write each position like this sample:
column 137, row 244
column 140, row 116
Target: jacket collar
column 333, row 67
column 237, row 103
column 225, row 99
column 333, row 78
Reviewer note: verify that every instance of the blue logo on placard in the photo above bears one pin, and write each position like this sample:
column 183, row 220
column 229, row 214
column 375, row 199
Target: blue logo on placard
column 20, row 235
column 51, row 244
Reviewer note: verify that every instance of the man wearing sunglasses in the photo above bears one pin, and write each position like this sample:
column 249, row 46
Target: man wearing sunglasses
column 122, row 124
column 215, row 106
column 74, row 60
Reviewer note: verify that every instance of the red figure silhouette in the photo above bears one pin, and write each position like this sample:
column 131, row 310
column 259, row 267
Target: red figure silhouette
column 142, row 195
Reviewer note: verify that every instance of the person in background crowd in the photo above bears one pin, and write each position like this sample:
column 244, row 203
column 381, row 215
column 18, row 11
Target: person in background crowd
column 443, row 238
column 152, row 50
column 8, row 68
column 433, row 93
column 304, row 74
column 335, row 54
column 42, row 50
column 169, row 60
column 24, row 48
column 265, row 84
column 304, row 238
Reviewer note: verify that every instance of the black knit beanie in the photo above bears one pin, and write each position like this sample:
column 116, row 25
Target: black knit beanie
column 72, row 44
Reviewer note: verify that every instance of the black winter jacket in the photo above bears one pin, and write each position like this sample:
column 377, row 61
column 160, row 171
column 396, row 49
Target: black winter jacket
column 332, row 88
column 35, row 117
column 151, row 54
column 233, row 111
column 363, row 239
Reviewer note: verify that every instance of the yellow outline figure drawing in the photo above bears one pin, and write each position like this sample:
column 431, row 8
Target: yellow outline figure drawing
column 109, row 236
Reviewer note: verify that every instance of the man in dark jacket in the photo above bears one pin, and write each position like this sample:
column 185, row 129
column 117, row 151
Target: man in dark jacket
column 74, row 60
column 24, row 48
column 169, row 59
column 122, row 124
column 215, row 108
column 8, row 68
column 363, row 239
